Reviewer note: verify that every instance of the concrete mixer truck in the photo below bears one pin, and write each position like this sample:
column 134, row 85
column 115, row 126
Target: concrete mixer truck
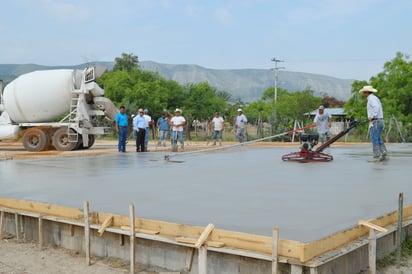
column 59, row 109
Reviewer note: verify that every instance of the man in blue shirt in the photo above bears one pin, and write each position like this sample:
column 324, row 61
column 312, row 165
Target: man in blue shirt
column 122, row 123
column 163, row 125
column 139, row 123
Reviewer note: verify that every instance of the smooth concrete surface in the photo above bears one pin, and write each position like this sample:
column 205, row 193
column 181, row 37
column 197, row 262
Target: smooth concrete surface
column 246, row 189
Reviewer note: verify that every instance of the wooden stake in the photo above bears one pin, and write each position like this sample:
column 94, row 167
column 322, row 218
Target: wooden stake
column 399, row 239
column 275, row 244
column 108, row 222
column 40, row 232
column 372, row 226
column 202, row 260
column 132, row 238
column 189, row 259
column 86, row 231
column 205, row 234
column 16, row 222
column 2, row 224
column 372, row 251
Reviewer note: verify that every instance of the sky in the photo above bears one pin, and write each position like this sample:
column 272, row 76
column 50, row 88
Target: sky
column 349, row 39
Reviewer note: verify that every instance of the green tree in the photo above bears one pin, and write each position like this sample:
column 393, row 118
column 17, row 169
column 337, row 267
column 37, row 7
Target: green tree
column 126, row 62
column 394, row 85
column 202, row 101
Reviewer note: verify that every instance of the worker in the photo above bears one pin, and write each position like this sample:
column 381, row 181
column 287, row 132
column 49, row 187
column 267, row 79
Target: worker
column 376, row 124
column 323, row 121
column 149, row 122
column 240, row 125
column 177, row 123
column 121, row 121
column 219, row 126
column 140, row 126
column 163, row 125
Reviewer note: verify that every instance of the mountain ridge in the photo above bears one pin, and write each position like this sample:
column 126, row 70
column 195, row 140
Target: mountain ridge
column 246, row 84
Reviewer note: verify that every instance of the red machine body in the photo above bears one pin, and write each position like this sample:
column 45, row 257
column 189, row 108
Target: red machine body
column 309, row 141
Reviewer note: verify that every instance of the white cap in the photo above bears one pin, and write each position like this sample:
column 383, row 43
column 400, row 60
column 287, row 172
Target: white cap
column 178, row 110
column 239, row 110
column 321, row 107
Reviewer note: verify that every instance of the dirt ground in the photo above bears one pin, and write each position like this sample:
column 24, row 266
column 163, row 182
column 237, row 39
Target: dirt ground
column 28, row 258
column 22, row 258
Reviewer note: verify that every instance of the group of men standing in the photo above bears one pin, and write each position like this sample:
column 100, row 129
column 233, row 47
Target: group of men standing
column 142, row 122
column 323, row 120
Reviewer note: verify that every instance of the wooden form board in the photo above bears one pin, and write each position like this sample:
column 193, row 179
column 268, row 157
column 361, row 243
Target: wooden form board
column 42, row 208
column 245, row 241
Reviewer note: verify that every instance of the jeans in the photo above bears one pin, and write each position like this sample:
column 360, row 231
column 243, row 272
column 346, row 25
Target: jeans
column 240, row 134
column 179, row 137
column 324, row 135
column 146, row 137
column 122, row 138
column 217, row 134
column 162, row 135
column 376, row 132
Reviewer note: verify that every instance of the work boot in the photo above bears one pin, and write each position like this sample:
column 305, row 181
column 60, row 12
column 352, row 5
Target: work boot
column 384, row 152
column 376, row 154
column 373, row 159
column 214, row 143
column 220, row 143
column 182, row 148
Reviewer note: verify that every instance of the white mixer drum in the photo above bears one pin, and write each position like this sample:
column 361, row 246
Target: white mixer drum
column 39, row 96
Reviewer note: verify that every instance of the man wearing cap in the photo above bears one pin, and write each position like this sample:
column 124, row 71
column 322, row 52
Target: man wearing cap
column 163, row 125
column 122, row 122
column 376, row 124
column 219, row 126
column 177, row 123
column 323, row 121
column 240, row 124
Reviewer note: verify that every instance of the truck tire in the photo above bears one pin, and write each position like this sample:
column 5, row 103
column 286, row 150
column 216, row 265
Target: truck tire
column 91, row 142
column 35, row 140
column 61, row 140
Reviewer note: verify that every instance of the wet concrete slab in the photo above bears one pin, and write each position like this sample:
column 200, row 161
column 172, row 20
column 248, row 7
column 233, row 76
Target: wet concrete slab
column 247, row 189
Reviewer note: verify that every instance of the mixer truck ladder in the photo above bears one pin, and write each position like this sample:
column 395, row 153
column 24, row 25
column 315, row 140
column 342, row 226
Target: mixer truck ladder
column 73, row 137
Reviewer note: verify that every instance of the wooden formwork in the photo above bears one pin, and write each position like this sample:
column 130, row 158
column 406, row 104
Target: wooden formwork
column 287, row 250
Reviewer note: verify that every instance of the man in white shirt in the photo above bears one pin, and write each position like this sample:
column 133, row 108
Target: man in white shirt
column 323, row 121
column 376, row 124
column 177, row 123
column 219, row 126
column 240, row 125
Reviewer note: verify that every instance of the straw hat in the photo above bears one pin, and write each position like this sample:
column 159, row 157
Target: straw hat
column 368, row 89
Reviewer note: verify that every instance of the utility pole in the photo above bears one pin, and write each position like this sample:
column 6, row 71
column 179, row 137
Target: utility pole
column 276, row 76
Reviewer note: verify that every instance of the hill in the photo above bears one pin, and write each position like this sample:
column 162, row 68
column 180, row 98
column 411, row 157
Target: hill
column 246, row 84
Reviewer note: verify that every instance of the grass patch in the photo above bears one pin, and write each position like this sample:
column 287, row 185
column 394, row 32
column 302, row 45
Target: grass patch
column 406, row 253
